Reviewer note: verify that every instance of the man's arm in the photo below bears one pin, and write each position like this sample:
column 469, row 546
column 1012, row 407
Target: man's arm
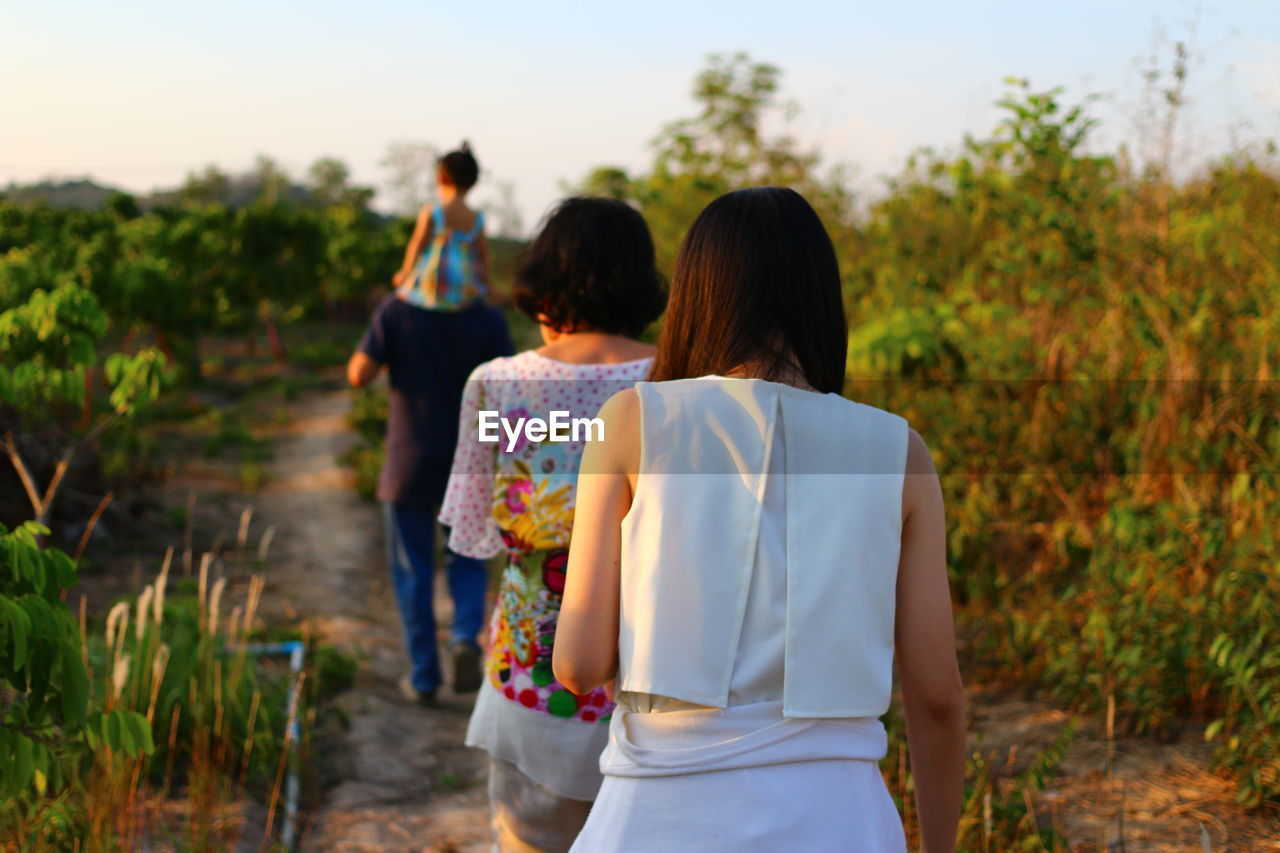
column 374, row 349
column 361, row 369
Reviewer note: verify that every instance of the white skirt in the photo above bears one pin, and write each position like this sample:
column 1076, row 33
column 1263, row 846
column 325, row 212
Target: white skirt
column 741, row 779
column 562, row 754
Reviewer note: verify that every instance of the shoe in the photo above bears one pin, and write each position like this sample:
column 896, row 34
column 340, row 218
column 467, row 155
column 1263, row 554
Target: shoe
column 467, row 676
column 425, row 698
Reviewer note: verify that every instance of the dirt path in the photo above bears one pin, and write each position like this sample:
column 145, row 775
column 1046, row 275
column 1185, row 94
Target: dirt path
column 401, row 779
column 1137, row 795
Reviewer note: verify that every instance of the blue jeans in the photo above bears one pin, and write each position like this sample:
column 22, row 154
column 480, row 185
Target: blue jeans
column 411, row 553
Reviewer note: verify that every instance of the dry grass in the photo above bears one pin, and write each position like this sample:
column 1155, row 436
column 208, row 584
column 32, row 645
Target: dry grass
column 197, row 686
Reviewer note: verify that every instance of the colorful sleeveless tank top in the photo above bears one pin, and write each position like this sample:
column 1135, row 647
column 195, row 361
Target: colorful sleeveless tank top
column 447, row 277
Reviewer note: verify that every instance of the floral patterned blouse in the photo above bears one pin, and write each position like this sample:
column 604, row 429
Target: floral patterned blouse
column 518, row 495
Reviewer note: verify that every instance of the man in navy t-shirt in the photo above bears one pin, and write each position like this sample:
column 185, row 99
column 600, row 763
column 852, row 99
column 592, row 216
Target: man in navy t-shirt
column 429, row 355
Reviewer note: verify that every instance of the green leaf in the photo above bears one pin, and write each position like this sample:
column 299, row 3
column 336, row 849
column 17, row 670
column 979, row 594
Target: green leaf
column 62, row 567
column 93, row 729
column 39, row 756
column 40, row 615
column 140, row 732
column 75, row 685
column 26, row 563
column 22, row 767
column 18, row 625
column 127, row 744
column 44, row 654
column 29, row 531
column 112, row 733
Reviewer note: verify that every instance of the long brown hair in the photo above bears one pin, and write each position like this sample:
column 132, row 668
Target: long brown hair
column 756, row 282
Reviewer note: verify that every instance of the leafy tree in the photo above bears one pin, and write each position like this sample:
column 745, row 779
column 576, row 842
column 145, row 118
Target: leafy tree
column 123, row 206
column 609, row 182
column 329, row 180
column 45, row 723
column 726, row 146
column 206, row 187
column 411, row 169
column 279, row 250
column 50, row 360
column 358, row 250
column 502, row 211
column 1089, row 348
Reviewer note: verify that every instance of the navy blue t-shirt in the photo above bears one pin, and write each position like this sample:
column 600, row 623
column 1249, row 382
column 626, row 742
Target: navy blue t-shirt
column 429, row 355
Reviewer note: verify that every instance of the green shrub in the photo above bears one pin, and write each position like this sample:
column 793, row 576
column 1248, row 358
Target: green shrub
column 50, row 735
column 1088, row 347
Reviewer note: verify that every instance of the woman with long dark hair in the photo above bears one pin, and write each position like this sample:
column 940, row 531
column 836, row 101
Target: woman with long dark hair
column 749, row 554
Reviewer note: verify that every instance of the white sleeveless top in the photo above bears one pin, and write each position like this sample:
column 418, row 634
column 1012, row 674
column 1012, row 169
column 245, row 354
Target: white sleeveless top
column 760, row 553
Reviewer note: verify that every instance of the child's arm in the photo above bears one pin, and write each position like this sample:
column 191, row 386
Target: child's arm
column 421, row 233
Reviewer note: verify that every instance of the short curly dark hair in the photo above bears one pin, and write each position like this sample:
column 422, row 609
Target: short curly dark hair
column 591, row 268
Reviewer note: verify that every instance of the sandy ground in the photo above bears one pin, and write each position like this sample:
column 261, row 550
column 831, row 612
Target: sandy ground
column 1127, row 794
column 400, row 777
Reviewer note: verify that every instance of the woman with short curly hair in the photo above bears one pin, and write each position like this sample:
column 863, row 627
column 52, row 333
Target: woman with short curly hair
column 589, row 282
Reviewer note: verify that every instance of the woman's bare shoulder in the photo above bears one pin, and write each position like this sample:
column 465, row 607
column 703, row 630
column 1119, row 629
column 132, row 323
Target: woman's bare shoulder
column 623, row 405
column 619, row 450
column 919, row 459
column 920, row 487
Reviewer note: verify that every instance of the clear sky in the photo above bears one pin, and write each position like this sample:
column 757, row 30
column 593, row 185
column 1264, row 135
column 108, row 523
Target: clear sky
column 139, row 92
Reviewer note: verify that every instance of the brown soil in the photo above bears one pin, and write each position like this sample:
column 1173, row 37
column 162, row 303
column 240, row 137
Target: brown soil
column 1125, row 794
column 402, row 780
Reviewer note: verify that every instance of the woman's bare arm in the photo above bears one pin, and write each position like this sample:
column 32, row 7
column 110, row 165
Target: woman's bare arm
column 585, row 654
column 926, row 651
